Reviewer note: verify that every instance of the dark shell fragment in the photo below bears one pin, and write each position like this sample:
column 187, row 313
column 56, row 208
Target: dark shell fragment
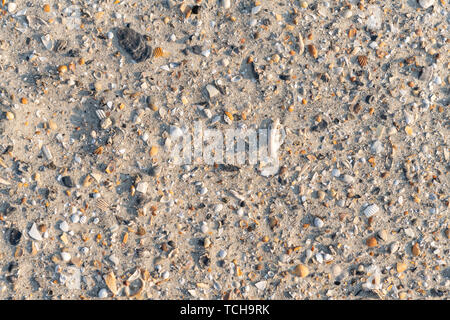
column 14, row 237
column 134, row 44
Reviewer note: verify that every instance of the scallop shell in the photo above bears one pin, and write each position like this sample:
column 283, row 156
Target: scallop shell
column 362, row 60
column 158, row 52
column 134, row 44
column 102, row 205
column 371, row 210
column 100, row 114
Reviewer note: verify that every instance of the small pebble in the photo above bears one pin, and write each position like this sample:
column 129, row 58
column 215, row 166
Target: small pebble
column 67, row 181
column 318, row 222
column 222, row 254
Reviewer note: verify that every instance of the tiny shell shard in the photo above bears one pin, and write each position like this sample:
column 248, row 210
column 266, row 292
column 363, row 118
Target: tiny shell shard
column 134, row 44
column 372, row 242
column 47, row 153
column 313, row 51
column 301, row 45
column 110, row 280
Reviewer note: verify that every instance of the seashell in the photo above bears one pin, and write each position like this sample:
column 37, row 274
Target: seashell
column 313, row 51
column 371, row 210
column 66, row 256
column 100, row 114
column 212, row 91
column 301, row 271
column 237, row 195
column 47, row 153
column 236, row 78
column 377, row 147
column 394, row 247
column 426, row 74
column 261, row 285
column 110, row 280
column 401, row 266
column 318, row 222
column 383, row 235
column 321, row 195
column 102, row 205
column 275, row 138
column 47, row 41
column 336, row 173
column 426, row 3
column 134, row 44
column 362, row 60
column 158, row 52
column 60, row 45
column 348, row 179
column 415, row 249
column 34, row 233
column 226, row 4
column 352, row 33
column 301, row 45
column 105, row 123
column 372, row 242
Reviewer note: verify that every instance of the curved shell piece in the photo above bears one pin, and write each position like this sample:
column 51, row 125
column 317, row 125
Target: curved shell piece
column 371, row 210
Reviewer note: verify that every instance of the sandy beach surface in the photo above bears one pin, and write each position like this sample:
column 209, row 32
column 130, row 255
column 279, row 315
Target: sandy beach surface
column 351, row 201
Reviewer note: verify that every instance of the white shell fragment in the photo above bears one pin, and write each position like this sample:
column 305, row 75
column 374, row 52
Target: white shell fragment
column 34, row 233
column 261, row 285
column 426, row 3
column 371, row 210
column 377, row 147
column 142, row 187
column 275, row 140
column 46, row 151
column 66, row 256
column 318, row 222
column 348, row 179
column 64, row 226
column 12, row 7
column 301, row 45
column 47, row 42
column 226, row 4
column 212, row 91
column 103, row 293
